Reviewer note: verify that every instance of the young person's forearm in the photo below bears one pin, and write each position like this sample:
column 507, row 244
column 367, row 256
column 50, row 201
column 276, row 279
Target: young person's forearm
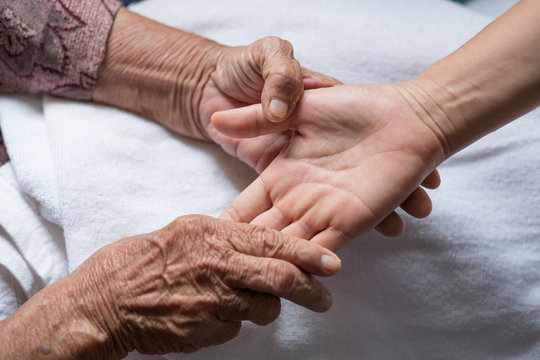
column 490, row 81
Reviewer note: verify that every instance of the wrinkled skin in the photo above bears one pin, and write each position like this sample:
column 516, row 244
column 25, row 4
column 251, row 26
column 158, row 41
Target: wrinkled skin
column 190, row 284
column 357, row 153
column 179, row 79
column 258, row 73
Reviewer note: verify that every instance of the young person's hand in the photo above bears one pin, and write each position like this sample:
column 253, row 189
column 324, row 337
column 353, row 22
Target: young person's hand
column 356, row 153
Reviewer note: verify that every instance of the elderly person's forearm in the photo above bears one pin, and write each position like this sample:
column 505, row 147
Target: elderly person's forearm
column 170, row 76
column 62, row 321
column 157, row 71
column 179, row 79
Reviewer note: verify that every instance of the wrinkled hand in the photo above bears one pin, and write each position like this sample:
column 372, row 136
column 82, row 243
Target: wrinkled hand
column 179, row 79
column 264, row 72
column 190, row 284
column 356, row 154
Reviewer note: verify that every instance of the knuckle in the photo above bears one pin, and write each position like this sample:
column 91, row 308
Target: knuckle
column 214, row 264
column 272, row 42
column 269, row 242
column 277, row 45
column 280, row 45
column 234, row 269
column 207, row 252
column 193, row 223
column 287, row 47
column 287, row 79
column 214, row 233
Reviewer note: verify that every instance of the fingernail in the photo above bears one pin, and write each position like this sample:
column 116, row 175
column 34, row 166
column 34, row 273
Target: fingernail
column 331, row 263
column 278, row 108
column 328, row 301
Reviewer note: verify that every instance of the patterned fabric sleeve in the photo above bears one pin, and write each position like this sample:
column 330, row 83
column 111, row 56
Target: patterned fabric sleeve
column 53, row 46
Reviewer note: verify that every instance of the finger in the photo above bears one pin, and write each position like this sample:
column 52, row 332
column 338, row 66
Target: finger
column 433, row 180
column 279, row 278
column 261, row 151
column 251, row 202
column 267, row 243
column 227, row 331
column 273, row 218
column 259, row 308
column 315, row 80
column 332, row 232
column 331, row 238
column 418, row 204
column 247, row 122
column 300, row 229
column 392, row 225
column 216, row 333
column 283, row 85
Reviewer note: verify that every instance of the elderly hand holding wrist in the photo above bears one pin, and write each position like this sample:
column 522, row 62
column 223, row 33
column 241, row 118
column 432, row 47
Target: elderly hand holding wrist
column 178, row 289
column 180, row 79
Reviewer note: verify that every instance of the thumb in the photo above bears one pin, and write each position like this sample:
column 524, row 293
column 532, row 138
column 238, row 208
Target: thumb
column 315, row 80
column 248, row 122
column 282, row 74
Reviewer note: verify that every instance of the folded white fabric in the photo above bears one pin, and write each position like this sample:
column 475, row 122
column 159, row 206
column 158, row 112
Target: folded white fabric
column 462, row 284
column 32, row 251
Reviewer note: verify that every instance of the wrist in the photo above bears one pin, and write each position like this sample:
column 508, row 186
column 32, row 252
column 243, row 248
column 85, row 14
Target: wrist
column 63, row 321
column 157, row 71
column 92, row 296
column 436, row 108
column 488, row 82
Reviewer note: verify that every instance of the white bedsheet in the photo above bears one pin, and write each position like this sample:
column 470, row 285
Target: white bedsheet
column 462, row 284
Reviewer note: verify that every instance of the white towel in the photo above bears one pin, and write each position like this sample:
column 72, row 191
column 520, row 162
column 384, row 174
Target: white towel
column 461, row 284
column 32, row 250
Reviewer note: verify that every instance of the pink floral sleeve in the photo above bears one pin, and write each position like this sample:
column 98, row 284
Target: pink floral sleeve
column 53, row 46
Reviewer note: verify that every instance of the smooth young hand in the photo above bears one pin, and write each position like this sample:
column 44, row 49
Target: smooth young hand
column 356, row 154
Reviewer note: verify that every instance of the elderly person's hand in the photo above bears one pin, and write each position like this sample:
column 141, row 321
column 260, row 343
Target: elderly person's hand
column 179, row 79
column 178, row 289
column 354, row 157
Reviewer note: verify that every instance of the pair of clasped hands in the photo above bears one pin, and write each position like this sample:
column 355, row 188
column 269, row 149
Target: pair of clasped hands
column 334, row 161
column 334, row 164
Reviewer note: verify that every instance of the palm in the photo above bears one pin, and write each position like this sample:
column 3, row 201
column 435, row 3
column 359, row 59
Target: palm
column 356, row 154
